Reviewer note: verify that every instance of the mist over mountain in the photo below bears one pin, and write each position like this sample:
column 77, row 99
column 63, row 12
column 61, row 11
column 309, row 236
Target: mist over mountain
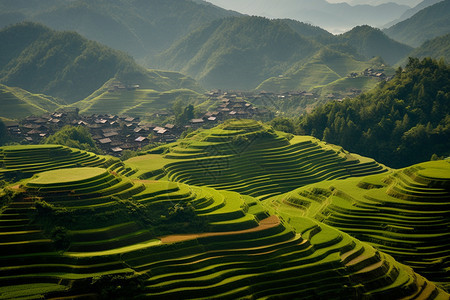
column 140, row 28
column 428, row 23
column 372, row 42
column 334, row 17
column 411, row 12
column 238, row 52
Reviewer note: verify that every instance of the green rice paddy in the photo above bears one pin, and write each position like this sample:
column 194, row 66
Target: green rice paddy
column 163, row 226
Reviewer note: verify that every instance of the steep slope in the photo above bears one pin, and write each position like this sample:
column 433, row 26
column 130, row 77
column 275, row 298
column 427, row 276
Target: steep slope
column 68, row 66
column 325, row 67
column 428, row 23
column 436, row 48
column 17, row 103
column 371, row 42
column 87, row 232
column 404, row 213
column 237, row 53
column 251, row 158
column 412, row 11
column 136, row 27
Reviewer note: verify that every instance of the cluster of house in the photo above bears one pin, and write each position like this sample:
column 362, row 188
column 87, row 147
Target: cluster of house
column 370, row 72
column 113, row 134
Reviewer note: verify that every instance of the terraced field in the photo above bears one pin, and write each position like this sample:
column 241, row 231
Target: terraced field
column 251, row 158
column 405, row 213
column 24, row 161
column 86, row 232
column 89, row 226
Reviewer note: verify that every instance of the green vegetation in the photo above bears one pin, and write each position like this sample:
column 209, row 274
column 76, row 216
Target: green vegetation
column 75, row 137
column 141, row 102
column 436, row 48
column 70, row 67
column 325, row 67
column 141, row 29
column 401, row 122
column 17, row 103
column 17, row 162
column 238, row 53
column 250, row 158
column 97, row 233
column 428, row 23
column 401, row 214
column 371, row 42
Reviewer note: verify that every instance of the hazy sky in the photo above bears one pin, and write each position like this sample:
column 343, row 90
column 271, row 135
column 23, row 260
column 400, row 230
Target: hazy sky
column 375, row 2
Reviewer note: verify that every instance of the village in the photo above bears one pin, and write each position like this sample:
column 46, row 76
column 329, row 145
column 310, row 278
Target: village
column 114, row 134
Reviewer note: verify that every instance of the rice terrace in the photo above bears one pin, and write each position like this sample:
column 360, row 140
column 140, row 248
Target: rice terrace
column 212, row 149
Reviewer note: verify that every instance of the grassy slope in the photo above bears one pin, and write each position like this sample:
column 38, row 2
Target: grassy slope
column 17, row 103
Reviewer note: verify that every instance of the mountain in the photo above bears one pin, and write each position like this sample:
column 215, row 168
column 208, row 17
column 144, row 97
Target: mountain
column 141, row 28
column 17, row 103
column 401, row 122
column 372, row 42
column 238, row 53
column 436, row 48
column 334, row 17
column 428, row 23
column 324, row 67
column 411, row 12
column 67, row 66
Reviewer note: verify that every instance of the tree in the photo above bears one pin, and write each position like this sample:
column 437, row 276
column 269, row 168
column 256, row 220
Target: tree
column 75, row 137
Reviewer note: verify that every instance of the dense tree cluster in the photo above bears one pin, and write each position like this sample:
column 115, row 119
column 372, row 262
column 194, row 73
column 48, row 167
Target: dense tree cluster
column 76, row 137
column 401, row 122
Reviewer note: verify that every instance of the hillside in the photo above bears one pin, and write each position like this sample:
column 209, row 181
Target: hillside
column 401, row 213
column 401, row 122
column 237, row 53
column 372, row 42
column 325, row 67
column 250, row 158
column 412, row 11
column 70, row 67
column 428, row 23
column 436, row 48
column 140, row 102
column 17, row 103
column 139, row 28
column 90, row 232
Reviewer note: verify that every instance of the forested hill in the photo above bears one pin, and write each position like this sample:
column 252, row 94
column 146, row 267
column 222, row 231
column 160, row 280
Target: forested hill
column 68, row 66
column 238, row 53
column 371, row 42
column 138, row 27
column 401, row 122
column 436, row 48
column 428, row 23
